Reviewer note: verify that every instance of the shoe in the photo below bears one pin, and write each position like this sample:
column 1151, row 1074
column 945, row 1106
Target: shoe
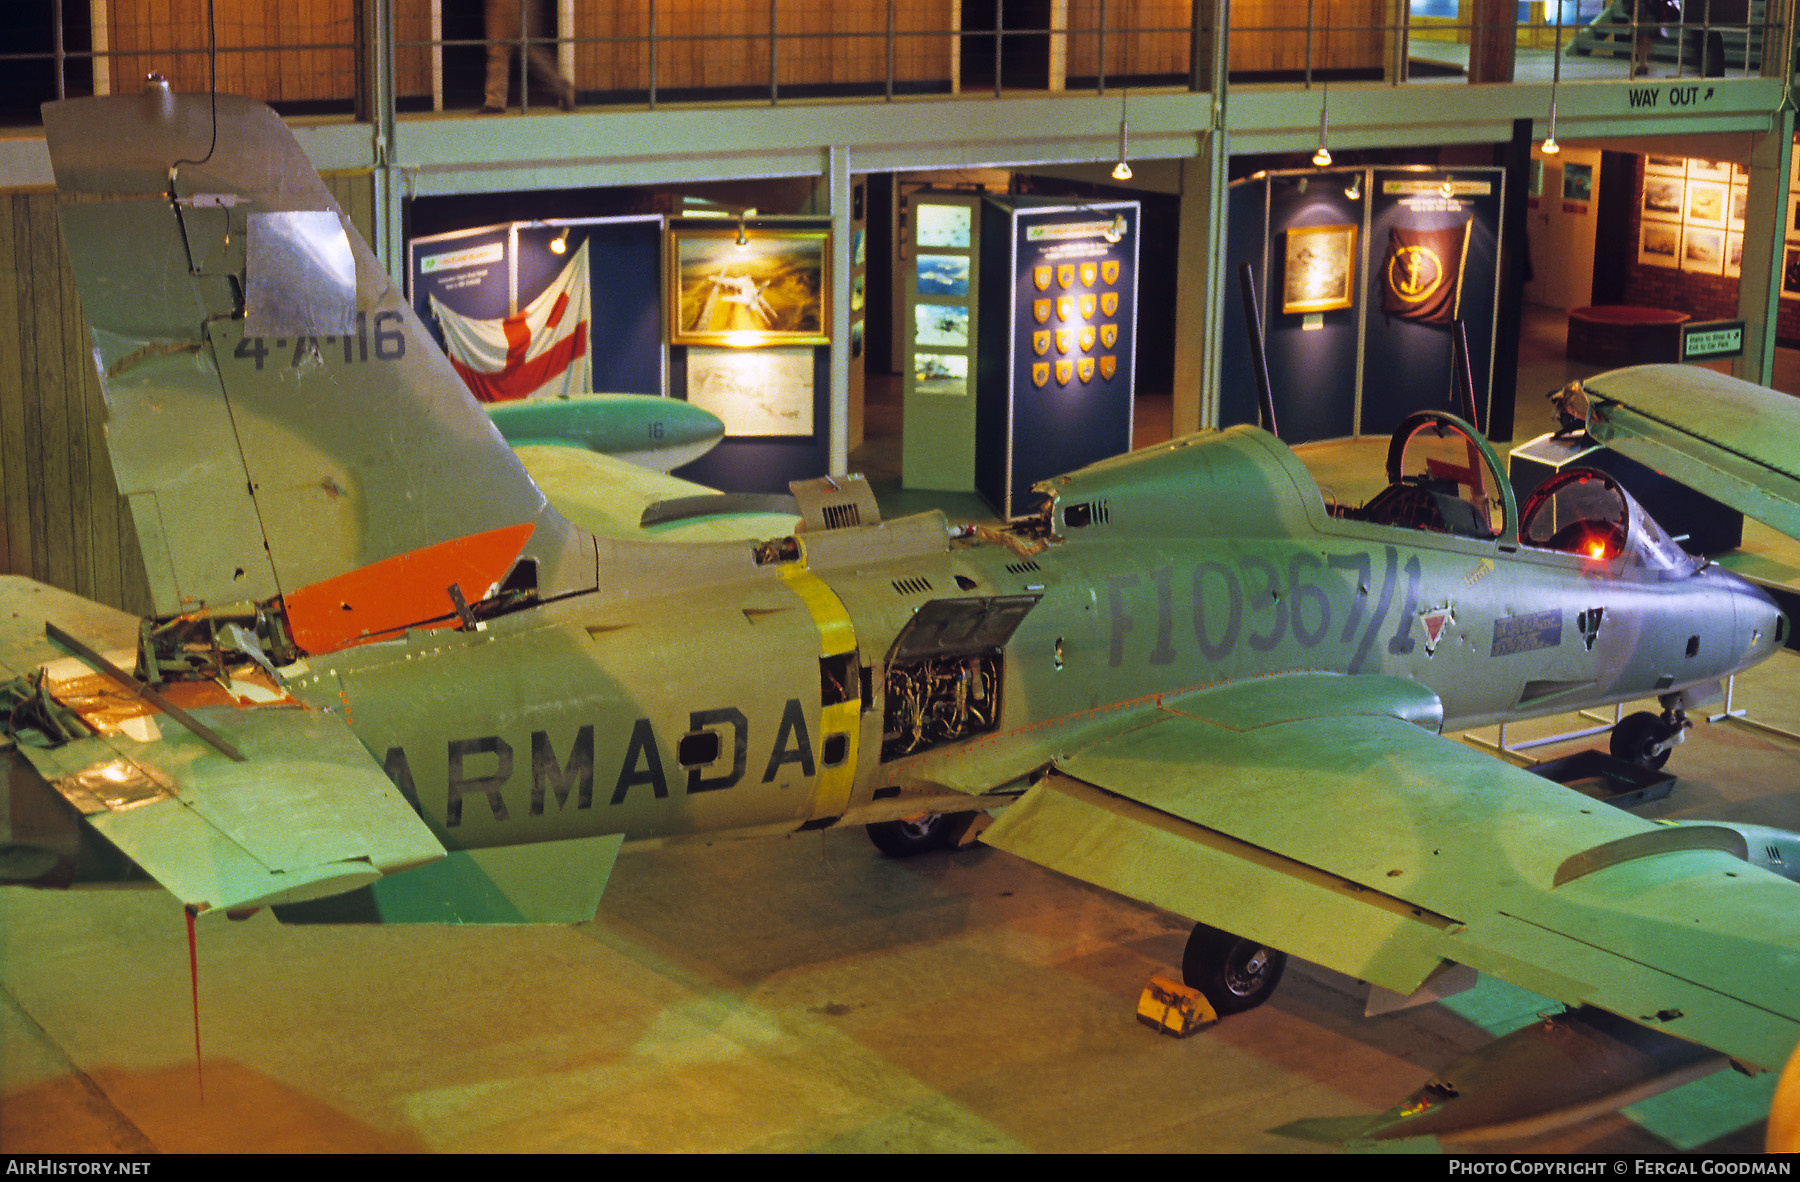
column 491, row 110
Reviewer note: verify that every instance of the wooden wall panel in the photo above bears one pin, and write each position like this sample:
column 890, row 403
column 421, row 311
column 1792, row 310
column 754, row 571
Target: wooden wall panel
column 273, row 50
column 412, row 63
column 65, row 523
column 1265, row 35
column 724, row 43
column 1271, row 35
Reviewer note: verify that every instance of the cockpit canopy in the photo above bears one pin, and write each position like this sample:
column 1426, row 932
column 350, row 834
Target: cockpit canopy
column 1587, row 513
column 1442, row 478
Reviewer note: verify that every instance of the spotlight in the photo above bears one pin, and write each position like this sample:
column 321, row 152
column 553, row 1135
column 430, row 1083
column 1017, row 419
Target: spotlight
column 1353, row 190
column 1322, row 158
column 1121, row 171
column 560, row 243
column 1550, row 147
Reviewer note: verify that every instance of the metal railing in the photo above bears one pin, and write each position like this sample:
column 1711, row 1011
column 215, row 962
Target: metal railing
column 780, row 50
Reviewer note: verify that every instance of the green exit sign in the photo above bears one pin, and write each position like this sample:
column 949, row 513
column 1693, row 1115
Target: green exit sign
column 1703, row 340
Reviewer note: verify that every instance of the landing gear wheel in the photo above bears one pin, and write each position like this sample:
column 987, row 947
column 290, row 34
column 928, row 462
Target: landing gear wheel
column 1235, row 974
column 918, row 835
column 1636, row 736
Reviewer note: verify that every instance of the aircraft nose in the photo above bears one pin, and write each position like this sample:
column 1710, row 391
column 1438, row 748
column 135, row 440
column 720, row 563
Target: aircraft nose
column 1761, row 624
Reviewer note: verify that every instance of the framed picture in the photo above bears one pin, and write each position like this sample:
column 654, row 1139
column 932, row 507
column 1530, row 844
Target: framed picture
column 773, row 290
column 1706, row 203
column 944, row 225
column 941, row 326
column 1790, row 273
column 1740, row 201
column 1792, row 225
column 1702, row 250
column 761, row 392
column 942, row 274
column 1665, row 165
column 1734, row 256
column 1709, row 170
column 1659, row 244
column 1664, row 197
column 1320, row 272
column 1537, row 177
column 941, row 373
column 1578, row 182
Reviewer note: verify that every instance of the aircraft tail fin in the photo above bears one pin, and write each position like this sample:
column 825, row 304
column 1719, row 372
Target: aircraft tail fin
column 280, row 420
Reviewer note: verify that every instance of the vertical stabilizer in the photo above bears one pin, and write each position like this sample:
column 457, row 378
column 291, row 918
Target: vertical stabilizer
column 278, row 416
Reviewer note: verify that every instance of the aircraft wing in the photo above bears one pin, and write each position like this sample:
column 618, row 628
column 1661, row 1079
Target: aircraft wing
column 1307, row 813
column 1707, row 430
column 607, row 496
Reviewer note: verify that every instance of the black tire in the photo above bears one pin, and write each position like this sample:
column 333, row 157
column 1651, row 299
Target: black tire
column 1235, row 974
column 921, row 835
column 1634, row 739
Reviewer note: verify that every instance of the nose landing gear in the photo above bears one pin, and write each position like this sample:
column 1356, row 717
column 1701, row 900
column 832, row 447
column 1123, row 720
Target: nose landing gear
column 1646, row 739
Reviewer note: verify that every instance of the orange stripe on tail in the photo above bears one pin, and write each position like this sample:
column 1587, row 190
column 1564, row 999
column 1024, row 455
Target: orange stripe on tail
column 410, row 589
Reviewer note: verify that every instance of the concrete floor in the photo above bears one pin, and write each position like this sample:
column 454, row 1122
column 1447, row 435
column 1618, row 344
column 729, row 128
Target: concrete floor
column 794, row 994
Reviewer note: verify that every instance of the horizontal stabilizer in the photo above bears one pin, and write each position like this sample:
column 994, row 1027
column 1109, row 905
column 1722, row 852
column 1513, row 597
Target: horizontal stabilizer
column 307, row 813
column 548, row 882
column 609, row 498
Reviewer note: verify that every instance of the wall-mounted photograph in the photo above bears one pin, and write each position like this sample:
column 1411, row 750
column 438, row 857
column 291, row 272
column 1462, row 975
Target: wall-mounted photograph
column 1790, row 273
column 1706, row 203
column 1664, row 196
column 943, row 274
column 1703, row 250
column 941, row 373
column 944, row 326
column 768, row 392
column 1578, row 182
column 1320, row 272
column 1659, row 244
column 769, row 291
column 944, row 225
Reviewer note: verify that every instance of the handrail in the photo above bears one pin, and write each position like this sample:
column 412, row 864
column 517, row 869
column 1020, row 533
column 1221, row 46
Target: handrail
column 1091, row 52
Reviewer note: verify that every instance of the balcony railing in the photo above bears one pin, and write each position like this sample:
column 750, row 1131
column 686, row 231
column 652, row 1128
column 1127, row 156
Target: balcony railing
column 321, row 55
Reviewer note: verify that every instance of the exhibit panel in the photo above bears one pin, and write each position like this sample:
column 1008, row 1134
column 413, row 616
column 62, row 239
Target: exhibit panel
column 1312, row 302
column 940, row 328
column 1434, row 241
column 1362, row 276
column 750, row 321
column 1056, row 366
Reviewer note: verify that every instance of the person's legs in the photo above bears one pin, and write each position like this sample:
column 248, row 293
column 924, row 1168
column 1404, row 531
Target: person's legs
column 500, row 20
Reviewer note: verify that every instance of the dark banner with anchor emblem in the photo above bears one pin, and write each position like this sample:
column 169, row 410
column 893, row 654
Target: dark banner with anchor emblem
column 1068, row 361
column 1421, row 277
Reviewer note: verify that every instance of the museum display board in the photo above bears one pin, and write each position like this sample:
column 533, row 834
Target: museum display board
column 1361, row 275
column 940, row 327
column 750, row 320
column 1055, row 364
